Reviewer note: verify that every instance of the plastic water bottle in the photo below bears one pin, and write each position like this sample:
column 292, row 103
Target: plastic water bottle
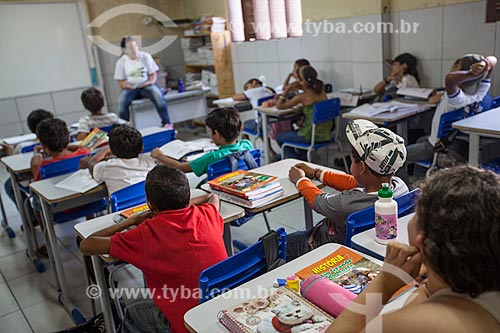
column 386, row 216
column 180, row 86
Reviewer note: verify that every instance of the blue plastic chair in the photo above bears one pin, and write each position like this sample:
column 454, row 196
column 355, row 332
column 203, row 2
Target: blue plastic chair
column 107, row 129
column 485, row 104
column 29, row 148
column 130, row 196
column 365, row 219
column 156, row 140
column 244, row 266
column 223, row 166
column 325, row 111
column 495, row 103
column 254, row 135
column 444, row 129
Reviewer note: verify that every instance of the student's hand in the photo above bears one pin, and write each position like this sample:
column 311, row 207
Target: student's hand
column 295, row 174
column 307, row 169
column 38, row 149
column 137, row 219
column 155, row 153
column 403, row 257
column 84, row 162
column 478, row 68
column 9, row 149
column 35, row 161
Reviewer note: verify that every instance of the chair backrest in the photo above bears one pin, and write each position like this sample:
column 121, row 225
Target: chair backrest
column 447, row 119
column 61, row 167
column 238, row 269
column 130, row 196
column 27, row 149
column 326, row 110
column 107, row 129
column 365, row 219
column 485, row 104
column 224, row 166
column 156, row 140
column 495, row 103
column 263, row 99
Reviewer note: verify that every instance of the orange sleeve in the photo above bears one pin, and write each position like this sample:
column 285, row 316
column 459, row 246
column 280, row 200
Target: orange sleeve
column 339, row 181
column 309, row 191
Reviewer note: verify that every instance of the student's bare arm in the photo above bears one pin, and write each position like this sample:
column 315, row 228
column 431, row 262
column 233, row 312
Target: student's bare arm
column 283, row 104
column 90, row 161
column 151, row 80
column 492, row 62
column 453, row 79
column 207, row 198
column 100, row 241
column 81, row 135
column 239, row 97
column 124, row 85
column 158, row 155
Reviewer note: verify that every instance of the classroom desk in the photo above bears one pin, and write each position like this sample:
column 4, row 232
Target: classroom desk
column 280, row 169
column 365, row 241
column 485, row 124
column 398, row 118
column 228, row 212
column 181, row 107
column 276, row 113
column 55, row 200
column 226, row 102
column 203, row 318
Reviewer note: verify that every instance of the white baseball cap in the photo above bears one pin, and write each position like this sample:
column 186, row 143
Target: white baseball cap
column 383, row 151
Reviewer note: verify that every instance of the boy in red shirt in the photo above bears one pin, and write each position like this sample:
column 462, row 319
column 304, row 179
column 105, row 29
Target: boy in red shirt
column 171, row 245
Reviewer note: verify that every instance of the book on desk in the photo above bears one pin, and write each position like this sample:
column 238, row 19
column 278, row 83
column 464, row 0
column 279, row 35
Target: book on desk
column 189, row 151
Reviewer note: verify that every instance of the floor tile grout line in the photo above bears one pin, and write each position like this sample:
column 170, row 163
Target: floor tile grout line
column 18, row 305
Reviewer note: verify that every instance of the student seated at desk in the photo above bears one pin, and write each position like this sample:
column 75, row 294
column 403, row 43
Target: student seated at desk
column 253, row 91
column 93, row 101
column 466, row 84
column 376, row 154
column 313, row 92
column 403, row 74
column 171, row 245
column 224, row 127
column 121, row 164
column 455, row 233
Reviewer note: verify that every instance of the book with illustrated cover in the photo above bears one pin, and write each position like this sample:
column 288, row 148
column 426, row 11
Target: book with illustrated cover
column 345, row 267
column 178, row 149
column 241, row 183
column 134, row 210
column 95, row 138
column 282, row 311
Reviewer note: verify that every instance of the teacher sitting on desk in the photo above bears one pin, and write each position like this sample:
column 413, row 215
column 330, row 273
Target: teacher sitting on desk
column 135, row 72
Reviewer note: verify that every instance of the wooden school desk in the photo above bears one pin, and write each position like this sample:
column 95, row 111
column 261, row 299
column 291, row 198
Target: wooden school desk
column 365, row 241
column 280, row 169
column 203, row 318
column 398, row 118
column 486, row 124
column 228, row 212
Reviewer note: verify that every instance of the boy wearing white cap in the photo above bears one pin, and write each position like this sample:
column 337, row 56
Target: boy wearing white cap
column 377, row 153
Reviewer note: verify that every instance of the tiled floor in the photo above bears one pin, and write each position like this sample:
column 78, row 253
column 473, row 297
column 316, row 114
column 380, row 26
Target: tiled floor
column 28, row 299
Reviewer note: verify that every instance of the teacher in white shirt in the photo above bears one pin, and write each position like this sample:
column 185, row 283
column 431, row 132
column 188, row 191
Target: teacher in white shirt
column 135, row 72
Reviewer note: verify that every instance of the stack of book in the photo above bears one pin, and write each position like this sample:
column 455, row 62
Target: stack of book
column 246, row 188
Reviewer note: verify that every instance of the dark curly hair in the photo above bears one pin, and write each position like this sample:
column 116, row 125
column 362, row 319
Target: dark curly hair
column 54, row 134
column 125, row 141
column 459, row 213
column 310, row 76
column 167, row 188
column 36, row 117
column 226, row 121
column 92, row 100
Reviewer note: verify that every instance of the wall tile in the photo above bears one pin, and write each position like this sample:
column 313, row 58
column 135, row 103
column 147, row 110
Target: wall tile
column 340, row 44
column 341, row 75
column 323, row 69
column 238, row 84
column 271, row 72
column 247, row 52
column 14, row 129
column 29, row 103
column 289, row 50
column 248, row 71
column 67, row 101
column 267, row 51
column 426, row 43
column 235, row 55
column 445, row 67
column 366, row 74
column 8, row 111
column 466, row 32
column 430, row 73
column 73, row 117
column 394, row 38
column 315, row 47
column 285, row 68
column 366, row 47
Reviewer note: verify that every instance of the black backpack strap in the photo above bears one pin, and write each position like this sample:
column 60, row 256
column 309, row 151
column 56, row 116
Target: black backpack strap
column 270, row 242
column 246, row 156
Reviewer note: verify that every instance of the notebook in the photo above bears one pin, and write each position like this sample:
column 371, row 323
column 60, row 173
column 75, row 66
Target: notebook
column 80, row 181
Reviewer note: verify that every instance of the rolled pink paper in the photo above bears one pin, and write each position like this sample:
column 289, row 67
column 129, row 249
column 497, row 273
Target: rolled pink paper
column 262, row 20
column 236, row 24
column 326, row 294
column 294, row 18
column 277, row 13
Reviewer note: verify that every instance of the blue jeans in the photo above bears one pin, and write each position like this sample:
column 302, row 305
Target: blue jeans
column 299, row 154
column 144, row 316
column 153, row 93
column 297, row 244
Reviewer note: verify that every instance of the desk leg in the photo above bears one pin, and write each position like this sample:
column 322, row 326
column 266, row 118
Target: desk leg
column 228, row 241
column 308, row 215
column 103, row 294
column 53, row 250
column 473, row 149
column 402, row 130
column 265, row 138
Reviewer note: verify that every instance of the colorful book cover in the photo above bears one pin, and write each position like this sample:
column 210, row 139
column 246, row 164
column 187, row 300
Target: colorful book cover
column 134, row 210
column 241, row 182
column 282, row 311
column 250, row 203
column 344, row 267
column 94, row 139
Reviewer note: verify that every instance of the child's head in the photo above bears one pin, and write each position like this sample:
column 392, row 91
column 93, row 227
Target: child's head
column 36, row 117
column 125, row 141
column 376, row 153
column 464, row 64
column 252, row 83
column 309, row 79
column 224, row 124
column 167, row 189
column 403, row 64
column 456, row 228
column 92, row 100
column 299, row 63
column 53, row 135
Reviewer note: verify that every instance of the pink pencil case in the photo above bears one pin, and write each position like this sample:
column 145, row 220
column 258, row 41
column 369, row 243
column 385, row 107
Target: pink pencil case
column 326, row 294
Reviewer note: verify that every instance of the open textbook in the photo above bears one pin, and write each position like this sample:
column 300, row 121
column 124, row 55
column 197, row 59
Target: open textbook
column 178, row 149
column 370, row 110
column 422, row 93
column 20, row 138
column 80, row 181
